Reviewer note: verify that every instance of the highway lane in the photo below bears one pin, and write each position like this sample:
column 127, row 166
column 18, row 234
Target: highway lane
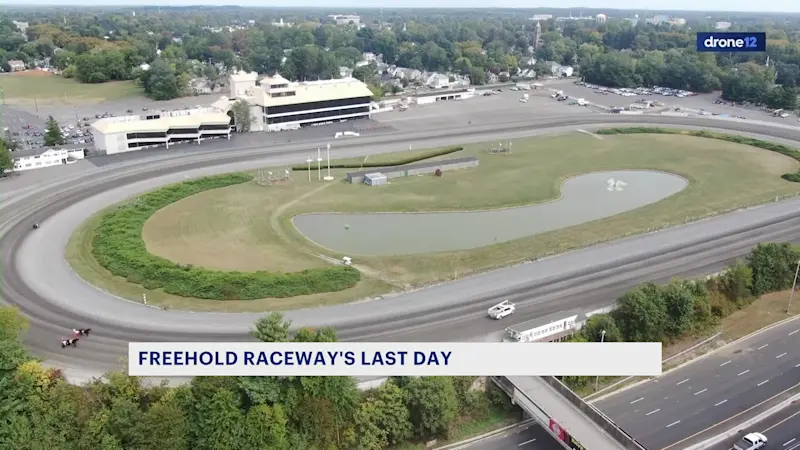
column 712, row 390
column 527, row 437
column 782, row 430
column 547, row 285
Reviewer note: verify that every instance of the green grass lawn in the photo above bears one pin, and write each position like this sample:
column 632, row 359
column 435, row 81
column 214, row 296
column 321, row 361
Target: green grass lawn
column 247, row 227
column 47, row 88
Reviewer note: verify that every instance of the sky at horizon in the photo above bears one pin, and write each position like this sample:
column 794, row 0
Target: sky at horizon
column 788, row 6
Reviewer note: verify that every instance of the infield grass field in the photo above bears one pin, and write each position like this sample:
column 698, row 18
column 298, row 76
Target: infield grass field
column 248, row 227
column 45, row 88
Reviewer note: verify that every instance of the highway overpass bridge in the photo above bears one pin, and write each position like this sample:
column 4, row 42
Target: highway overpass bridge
column 577, row 425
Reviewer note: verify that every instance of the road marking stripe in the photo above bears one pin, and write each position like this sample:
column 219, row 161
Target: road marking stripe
column 725, row 363
column 781, row 355
column 674, row 444
column 674, row 423
column 637, row 400
column 653, row 411
column 526, row 442
column 748, row 370
column 793, row 447
column 681, row 382
column 793, row 332
column 789, row 441
column 700, row 392
column 721, row 402
column 763, row 347
column 762, row 383
column 782, row 422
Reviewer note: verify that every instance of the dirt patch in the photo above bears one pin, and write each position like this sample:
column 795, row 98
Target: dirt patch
column 35, row 73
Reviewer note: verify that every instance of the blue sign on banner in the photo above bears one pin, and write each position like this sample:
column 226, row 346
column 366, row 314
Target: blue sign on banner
column 731, row 42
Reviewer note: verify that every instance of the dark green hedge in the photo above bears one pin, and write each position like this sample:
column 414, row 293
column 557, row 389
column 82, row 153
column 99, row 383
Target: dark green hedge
column 772, row 146
column 118, row 246
column 400, row 161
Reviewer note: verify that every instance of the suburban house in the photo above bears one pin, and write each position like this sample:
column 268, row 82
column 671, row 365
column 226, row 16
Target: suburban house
column 404, row 73
column 527, row 73
column 436, row 80
column 559, row 70
column 16, row 65
column 345, row 72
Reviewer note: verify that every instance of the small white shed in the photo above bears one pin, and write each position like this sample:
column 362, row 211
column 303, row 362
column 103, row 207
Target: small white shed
column 375, row 179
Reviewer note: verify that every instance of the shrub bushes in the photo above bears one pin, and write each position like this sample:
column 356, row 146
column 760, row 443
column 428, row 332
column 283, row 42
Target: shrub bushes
column 118, row 246
column 400, row 161
column 772, row 146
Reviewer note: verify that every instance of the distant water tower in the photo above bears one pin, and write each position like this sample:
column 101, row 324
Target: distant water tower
column 601, row 18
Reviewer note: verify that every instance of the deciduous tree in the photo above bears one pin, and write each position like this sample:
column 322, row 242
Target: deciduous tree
column 432, row 404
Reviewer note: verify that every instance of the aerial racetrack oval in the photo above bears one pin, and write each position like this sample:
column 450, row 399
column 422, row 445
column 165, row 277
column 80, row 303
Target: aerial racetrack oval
column 545, row 196
column 39, row 281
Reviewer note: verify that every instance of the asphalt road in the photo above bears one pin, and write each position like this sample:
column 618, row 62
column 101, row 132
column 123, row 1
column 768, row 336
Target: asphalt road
column 716, row 389
column 38, row 280
column 781, row 429
column 526, row 437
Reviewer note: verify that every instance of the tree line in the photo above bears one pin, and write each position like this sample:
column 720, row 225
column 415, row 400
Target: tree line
column 98, row 47
column 682, row 308
column 39, row 409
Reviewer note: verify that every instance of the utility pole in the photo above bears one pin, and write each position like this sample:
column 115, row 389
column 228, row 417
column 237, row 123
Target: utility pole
column 602, row 339
column 794, row 284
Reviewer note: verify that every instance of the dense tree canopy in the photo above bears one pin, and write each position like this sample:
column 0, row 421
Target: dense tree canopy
column 224, row 413
column 95, row 46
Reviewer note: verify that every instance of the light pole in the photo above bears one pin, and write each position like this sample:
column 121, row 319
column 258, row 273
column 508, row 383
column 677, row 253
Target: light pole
column 309, row 160
column 602, row 339
column 319, row 164
column 329, row 177
column 794, row 284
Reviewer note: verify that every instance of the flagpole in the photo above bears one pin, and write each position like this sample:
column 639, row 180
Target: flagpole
column 328, row 151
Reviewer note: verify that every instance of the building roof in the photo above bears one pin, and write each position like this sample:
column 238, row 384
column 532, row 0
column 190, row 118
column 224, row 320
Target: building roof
column 441, row 93
column 422, row 165
column 243, row 76
column 273, row 80
column 41, row 150
column 314, row 91
column 181, row 119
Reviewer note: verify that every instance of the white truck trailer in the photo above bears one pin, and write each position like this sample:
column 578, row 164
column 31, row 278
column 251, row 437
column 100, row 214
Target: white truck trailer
column 502, row 309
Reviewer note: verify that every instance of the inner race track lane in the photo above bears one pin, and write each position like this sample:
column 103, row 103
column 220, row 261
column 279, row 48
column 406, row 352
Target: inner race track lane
column 38, row 280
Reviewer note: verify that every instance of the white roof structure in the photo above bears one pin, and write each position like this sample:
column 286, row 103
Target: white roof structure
column 189, row 118
column 278, row 91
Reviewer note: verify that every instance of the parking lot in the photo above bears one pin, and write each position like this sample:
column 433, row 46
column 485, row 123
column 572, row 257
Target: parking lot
column 28, row 121
column 700, row 103
column 479, row 111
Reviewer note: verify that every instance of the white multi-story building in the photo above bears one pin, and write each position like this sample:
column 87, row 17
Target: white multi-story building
column 128, row 133
column 47, row 157
column 345, row 19
column 277, row 104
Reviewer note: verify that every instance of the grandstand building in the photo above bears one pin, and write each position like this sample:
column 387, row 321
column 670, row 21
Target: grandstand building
column 164, row 128
column 277, row 104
